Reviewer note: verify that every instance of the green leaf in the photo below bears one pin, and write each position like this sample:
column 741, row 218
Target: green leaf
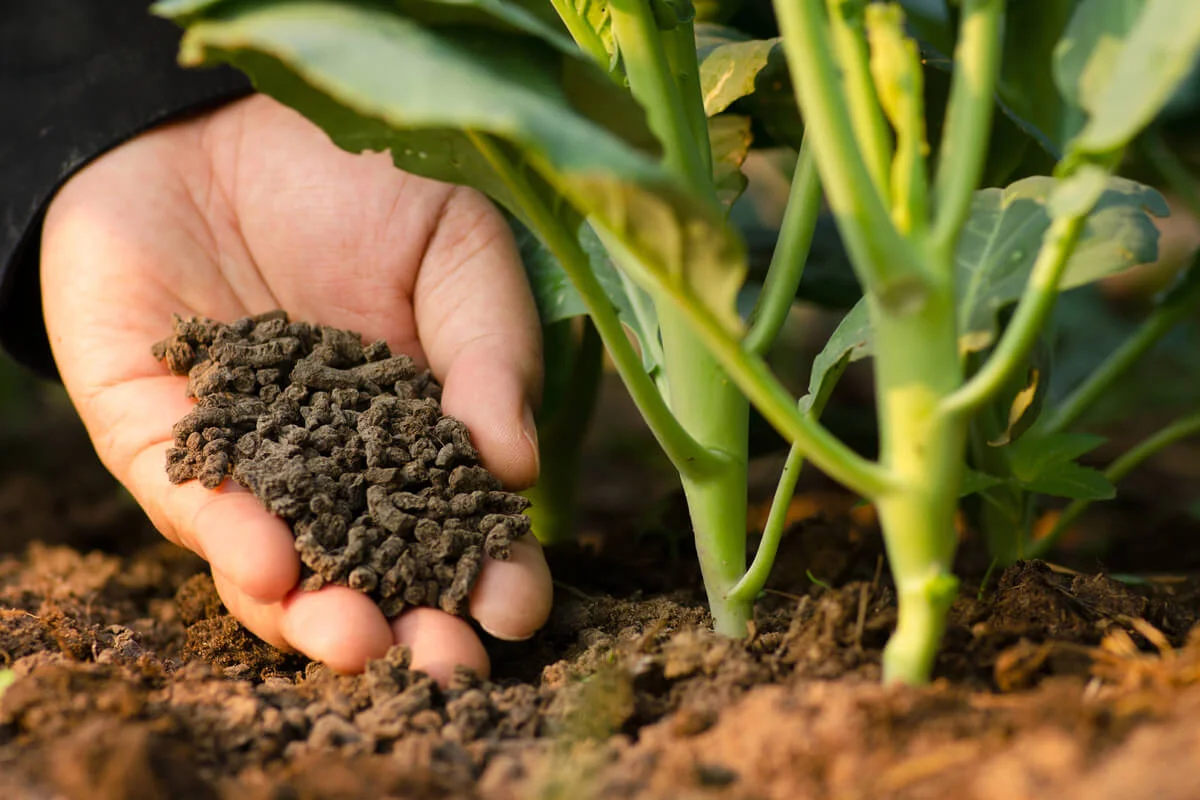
column 974, row 482
column 1022, row 410
column 730, row 69
column 997, row 250
column 731, row 139
column 1000, row 242
column 7, row 679
column 1158, row 54
column 558, row 300
column 1087, row 53
column 1073, row 481
column 1046, row 465
column 851, row 341
column 375, row 79
column 1030, row 456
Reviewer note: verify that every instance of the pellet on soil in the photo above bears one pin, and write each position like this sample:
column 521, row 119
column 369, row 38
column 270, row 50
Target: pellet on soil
column 347, row 443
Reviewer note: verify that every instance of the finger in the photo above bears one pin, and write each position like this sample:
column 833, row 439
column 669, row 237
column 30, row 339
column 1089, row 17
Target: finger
column 512, row 599
column 479, row 328
column 261, row 619
column 336, row 625
column 440, row 642
column 227, row 527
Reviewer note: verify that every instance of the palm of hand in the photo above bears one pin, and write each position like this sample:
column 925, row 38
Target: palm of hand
column 248, row 209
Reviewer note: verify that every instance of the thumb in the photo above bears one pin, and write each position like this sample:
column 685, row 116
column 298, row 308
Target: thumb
column 479, row 328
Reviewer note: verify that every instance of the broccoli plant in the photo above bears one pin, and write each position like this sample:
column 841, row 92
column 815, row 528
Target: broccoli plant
column 614, row 132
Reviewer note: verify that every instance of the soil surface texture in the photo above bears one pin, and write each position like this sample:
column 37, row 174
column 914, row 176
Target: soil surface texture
column 129, row 679
column 347, row 443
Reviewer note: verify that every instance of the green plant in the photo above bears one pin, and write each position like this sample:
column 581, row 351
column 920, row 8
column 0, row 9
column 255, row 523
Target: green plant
column 614, row 132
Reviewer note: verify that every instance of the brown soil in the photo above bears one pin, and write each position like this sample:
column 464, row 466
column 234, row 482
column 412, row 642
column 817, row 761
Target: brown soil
column 132, row 682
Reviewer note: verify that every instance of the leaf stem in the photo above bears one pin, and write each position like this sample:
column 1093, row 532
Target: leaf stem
column 754, row 377
column 1160, row 322
column 756, row 576
column 587, row 38
column 681, row 52
column 866, row 117
column 652, row 82
column 1127, row 463
column 1033, row 309
column 684, row 451
column 882, row 258
column 963, row 150
column 790, row 256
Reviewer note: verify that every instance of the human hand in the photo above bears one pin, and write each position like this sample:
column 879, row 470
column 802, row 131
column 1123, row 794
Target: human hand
column 250, row 208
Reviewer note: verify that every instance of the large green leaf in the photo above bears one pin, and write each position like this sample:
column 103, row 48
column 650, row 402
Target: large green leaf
column 1087, row 53
column 999, row 245
column 997, row 250
column 1127, row 86
column 376, row 79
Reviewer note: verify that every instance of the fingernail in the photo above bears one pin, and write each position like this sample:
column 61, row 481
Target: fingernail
column 505, row 637
column 529, row 428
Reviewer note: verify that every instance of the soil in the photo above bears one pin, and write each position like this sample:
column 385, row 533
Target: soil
column 131, row 681
column 346, row 443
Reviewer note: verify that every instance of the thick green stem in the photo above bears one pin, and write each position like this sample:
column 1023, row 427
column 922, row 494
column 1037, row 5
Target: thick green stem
column 923, row 448
column 866, row 116
column 963, row 151
column 716, row 413
column 653, row 83
column 703, row 399
column 560, row 435
column 755, row 379
column 1176, row 431
column 688, row 456
column 887, row 264
column 790, row 256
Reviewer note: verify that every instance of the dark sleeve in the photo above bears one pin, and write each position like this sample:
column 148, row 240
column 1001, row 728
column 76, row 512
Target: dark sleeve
column 77, row 78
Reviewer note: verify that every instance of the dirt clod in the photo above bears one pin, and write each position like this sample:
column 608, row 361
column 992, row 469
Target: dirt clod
column 348, row 444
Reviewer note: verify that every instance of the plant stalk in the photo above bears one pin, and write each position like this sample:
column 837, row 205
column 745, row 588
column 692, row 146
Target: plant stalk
column 756, row 576
column 887, row 264
column 963, row 151
column 923, row 448
column 652, row 81
column 704, row 400
column 680, row 45
column 866, row 117
column 687, row 455
column 717, row 414
column 790, row 256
